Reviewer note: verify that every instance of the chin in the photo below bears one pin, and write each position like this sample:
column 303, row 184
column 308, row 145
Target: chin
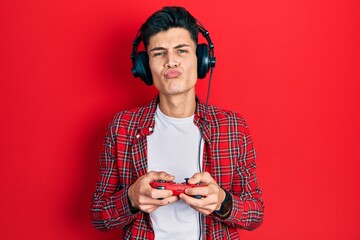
column 174, row 86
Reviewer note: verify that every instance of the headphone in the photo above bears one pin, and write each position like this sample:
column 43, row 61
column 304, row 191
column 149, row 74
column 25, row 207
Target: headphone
column 204, row 53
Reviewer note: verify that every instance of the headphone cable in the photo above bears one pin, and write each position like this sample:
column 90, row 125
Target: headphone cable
column 201, row 139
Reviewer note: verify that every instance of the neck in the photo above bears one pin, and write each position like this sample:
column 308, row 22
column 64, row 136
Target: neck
column 177, row 106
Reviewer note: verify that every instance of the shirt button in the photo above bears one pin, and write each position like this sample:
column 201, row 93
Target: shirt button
column 137, row 136
column 151, row 129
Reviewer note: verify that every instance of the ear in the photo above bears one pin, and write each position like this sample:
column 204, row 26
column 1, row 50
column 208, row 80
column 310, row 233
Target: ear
column 141, row 68
column 203, row 61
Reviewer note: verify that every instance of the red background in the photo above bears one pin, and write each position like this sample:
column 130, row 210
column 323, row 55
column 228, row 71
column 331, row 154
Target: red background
column 290, row 67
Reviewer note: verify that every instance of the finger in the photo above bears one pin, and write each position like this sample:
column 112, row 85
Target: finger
column 203, row 177
column 160, row 194
column 197, row 204
column 158, row 202
column 149, row 208
column 204, row 205
column 152, row 204
column 199, row 191
column 189, row 200
column 168, row 200
column 154, row 176
column 193, row 201
column 196, row 178
column 146, row 201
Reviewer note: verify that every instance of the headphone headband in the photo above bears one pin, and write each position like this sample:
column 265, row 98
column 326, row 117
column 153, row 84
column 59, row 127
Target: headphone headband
column 206, row 35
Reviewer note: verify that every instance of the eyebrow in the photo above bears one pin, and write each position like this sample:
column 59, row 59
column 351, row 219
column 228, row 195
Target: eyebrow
column 176, row 47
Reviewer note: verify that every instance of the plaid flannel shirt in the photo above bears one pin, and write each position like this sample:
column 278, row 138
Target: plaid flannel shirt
column 228, row 156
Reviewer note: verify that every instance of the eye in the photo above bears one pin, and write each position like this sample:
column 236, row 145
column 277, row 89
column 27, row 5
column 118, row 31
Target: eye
column 182, row 51
column 158, row 54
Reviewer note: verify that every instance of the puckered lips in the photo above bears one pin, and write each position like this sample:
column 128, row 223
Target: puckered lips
column 172, row 73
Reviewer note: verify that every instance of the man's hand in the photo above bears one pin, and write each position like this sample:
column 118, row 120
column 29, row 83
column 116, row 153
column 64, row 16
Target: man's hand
column 212, row 194
column 142, row 196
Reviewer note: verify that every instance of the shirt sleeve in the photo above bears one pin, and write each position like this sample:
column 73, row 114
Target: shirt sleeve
column 110, row 207
column 248, row 208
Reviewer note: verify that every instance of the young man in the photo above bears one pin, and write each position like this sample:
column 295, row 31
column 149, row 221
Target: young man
column 171, row 139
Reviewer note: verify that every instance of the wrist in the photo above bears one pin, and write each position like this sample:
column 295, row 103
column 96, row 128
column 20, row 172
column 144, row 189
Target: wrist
column 226, row 206
column 221, row 199
column 133, row 209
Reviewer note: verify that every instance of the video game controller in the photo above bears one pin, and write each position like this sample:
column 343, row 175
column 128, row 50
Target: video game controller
column 176, row 188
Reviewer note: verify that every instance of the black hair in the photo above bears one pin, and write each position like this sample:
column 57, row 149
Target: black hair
column 166, row 18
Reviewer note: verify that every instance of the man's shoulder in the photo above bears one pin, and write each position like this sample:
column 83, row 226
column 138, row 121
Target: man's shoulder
column 225, row 121
column 128, row 113
column 220, row 114
column 132, row 117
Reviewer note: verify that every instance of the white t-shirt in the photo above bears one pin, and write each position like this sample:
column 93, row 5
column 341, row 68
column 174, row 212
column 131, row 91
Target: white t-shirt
column 173, row 147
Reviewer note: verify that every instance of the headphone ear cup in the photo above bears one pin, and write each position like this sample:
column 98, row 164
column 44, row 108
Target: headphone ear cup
column 203, row 60
column 141, row 68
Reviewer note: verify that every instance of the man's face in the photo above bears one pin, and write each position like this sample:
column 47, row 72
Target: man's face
column 173, row 62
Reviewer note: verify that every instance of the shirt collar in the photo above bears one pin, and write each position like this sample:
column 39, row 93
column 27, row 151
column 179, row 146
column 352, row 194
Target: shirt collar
column 202, row 119
column 147, row 121
column 148, row 114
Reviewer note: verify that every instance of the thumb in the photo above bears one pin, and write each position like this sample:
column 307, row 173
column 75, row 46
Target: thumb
column 203, row 177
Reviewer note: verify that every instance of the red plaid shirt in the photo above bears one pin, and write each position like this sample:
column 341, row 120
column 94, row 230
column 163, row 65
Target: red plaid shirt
column 228, row 156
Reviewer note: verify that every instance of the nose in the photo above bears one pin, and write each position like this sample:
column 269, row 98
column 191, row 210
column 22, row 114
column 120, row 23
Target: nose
column 171, row 61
